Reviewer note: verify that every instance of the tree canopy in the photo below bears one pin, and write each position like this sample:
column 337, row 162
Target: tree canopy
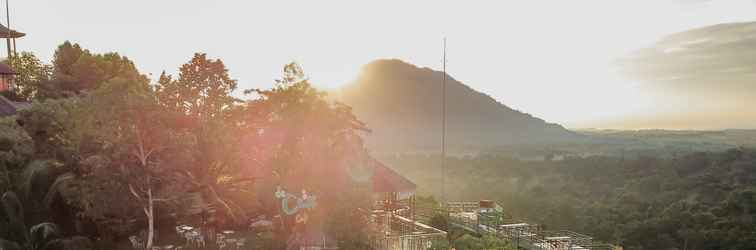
column 104, row 152
column 693, row 201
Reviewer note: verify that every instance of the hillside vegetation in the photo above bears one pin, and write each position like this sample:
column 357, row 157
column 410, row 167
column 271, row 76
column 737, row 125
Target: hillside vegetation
column 695, row 201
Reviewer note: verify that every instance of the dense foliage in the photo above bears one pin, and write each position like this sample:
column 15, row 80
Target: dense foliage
column 104, row 153
column 696, row 201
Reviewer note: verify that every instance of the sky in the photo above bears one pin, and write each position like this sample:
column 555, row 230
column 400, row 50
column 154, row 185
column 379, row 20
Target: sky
column 556, row 60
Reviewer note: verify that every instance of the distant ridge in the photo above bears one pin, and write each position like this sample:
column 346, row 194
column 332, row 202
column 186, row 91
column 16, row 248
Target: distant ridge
column 401, row 103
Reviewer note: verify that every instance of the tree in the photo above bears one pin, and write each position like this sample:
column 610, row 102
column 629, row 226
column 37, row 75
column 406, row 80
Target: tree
column 42, row 236
column 202, row 90
column 488, row 242
column 31, row 76
column 76, row 70
column 56, row 128
column 29, row 178
column 310, row 143
column 138, row 150
column 16, row 148
column 202, row 97
column 310, row 126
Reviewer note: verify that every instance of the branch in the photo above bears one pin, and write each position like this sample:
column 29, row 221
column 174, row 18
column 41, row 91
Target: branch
column 243, row 180
column 142, row 157
column 164, row 199
column 133, row 192
column 141, row 189
column 149, row 152
column 192, row 178
column 222, row 202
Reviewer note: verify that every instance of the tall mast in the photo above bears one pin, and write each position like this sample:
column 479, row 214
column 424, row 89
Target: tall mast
column 7, row 18
column 443, row 129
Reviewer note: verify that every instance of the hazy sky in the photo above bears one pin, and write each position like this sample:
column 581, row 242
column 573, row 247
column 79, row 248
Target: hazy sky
column 553, row 59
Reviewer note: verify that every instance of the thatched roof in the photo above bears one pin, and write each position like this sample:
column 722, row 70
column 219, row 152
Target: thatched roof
column 5, row 32
column 386, row 180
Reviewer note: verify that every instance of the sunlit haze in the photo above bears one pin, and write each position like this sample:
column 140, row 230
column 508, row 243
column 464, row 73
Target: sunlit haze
column 378, row 125
column 553, row 59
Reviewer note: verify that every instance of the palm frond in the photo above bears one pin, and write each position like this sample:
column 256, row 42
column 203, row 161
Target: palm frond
column 14, row 212
column 35, row 180
column 62, row 185
column 43, row 233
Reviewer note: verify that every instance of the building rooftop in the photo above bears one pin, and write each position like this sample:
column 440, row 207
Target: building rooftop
column 6, row 70
column 9, row 33
column 386, row 180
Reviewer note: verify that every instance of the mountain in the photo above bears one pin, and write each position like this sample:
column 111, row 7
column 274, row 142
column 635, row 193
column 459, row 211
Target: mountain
column 402, row 104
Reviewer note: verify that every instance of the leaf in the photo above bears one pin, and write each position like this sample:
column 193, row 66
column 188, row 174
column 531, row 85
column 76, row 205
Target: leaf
column 43, row 233
column 63, row 186
column 15, row 213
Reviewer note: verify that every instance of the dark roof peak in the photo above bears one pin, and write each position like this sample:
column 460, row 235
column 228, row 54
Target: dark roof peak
column 386, row 180
column 9, row 33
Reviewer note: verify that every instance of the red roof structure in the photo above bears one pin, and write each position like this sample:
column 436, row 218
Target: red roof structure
column 386, row 180
column 6, row 70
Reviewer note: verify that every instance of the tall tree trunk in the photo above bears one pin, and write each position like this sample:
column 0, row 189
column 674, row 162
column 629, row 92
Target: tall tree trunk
column 149, row 211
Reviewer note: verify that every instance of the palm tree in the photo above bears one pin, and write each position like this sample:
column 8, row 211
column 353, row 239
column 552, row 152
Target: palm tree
column 43, row 236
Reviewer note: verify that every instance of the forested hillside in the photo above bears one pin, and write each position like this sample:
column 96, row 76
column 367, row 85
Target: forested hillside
column 695, row 201
column 401, row 103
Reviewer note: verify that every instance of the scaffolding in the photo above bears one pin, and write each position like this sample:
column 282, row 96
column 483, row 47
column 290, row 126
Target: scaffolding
column 478, row 219
column 393, row 220
column 563, row 240
column 519, row 234
column 396, row 220
column 393, row 231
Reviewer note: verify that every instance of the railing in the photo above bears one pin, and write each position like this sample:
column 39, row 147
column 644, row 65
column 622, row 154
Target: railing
column 470, row 217
column 562, row 240
column 463, row 206
column 396, row 231
column 407, row 242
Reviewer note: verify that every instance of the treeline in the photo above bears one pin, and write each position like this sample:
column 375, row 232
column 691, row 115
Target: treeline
column 695, row 201
column 104, row 153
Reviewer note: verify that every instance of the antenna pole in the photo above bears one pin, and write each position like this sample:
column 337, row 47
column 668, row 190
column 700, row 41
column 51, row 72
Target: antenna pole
column 443, row 129
column 7, row 18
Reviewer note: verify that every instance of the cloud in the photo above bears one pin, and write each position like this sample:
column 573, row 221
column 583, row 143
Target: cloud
column 701, row 78
column 717, row 59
